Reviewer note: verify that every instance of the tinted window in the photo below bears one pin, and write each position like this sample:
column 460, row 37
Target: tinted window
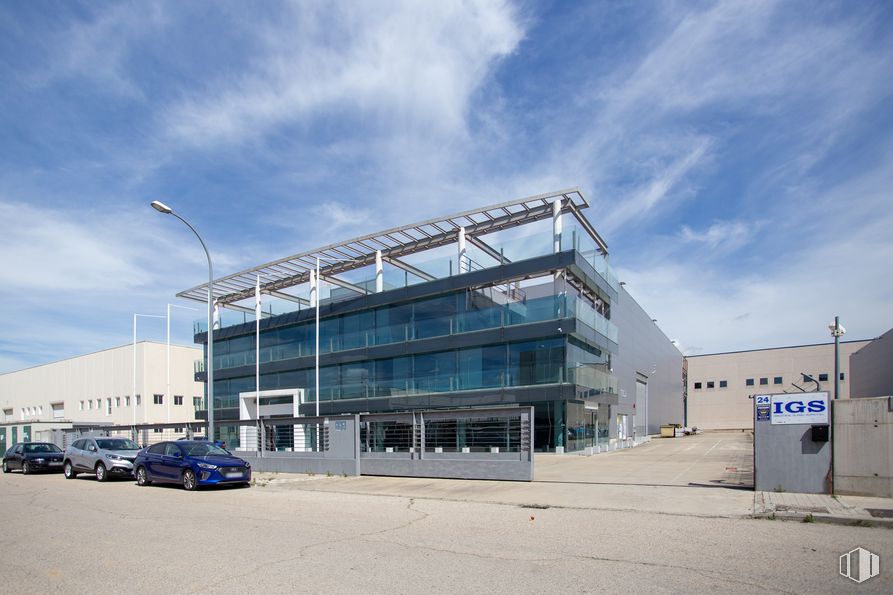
column 764, row 381
column 749, row 382
column 203, row 449
column 698, row 385
column 777, row 380
column 157, row 449
column 710, row 384
column 78, row 444
column 117, row 444
column 823, row 378
column 723, row 383
column 36, row 447
column 171, row 450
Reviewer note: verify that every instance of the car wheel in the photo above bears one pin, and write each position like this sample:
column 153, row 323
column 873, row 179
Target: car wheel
column 5, row 467
column 189, row 480
column 69, row 471
column 101, row 472
column 142, row 477
column 26, row 468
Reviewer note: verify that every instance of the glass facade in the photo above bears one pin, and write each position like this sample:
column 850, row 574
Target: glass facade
column 570, row 371
column 444, row 315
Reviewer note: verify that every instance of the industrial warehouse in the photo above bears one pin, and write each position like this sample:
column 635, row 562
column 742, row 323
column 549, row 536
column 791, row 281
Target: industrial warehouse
column 513, row 304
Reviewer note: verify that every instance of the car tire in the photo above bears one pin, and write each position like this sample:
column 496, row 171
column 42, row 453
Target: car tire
column 142, row 476
column 68, row 470
column 189, row 481
column 5, row 467
column 102, row 473
column 26, row 468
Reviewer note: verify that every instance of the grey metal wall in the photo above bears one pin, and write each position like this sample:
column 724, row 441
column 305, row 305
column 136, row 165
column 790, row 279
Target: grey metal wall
column 787, row 460
column 871, row 372
column 863, row 447
column 645, row 350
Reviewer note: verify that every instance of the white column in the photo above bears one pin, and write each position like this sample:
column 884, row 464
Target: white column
column 379, row 273
column 556, row 224
column 312, row 288
column 463, row 256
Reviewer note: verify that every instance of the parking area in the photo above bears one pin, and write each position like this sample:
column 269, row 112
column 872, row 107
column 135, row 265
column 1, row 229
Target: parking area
column 714, row 459
column 312, row 534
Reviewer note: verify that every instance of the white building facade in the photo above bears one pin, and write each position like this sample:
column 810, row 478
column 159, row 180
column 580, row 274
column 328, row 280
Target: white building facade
column 101, row 388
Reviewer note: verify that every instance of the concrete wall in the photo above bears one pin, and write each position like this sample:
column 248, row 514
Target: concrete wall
column 863, row 447
column 84, row 384
column 871, row 368
column 645, row 352
column 730, row 407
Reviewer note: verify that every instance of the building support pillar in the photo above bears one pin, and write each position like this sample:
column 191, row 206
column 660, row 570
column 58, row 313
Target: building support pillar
column 313, row 288
column 379, row 273
column 463, row 254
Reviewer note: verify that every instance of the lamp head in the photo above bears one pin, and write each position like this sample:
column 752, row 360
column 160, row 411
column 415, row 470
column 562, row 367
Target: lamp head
column 161, row 207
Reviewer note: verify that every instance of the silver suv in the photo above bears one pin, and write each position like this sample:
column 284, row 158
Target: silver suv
column 104, row 456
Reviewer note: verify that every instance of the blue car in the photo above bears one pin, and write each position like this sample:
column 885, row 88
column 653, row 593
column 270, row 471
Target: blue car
column 191, row 463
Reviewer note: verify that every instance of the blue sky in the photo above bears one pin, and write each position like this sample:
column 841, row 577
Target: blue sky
column 738, row 155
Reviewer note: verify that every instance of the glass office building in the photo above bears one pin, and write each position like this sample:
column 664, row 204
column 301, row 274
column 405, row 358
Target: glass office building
column 509, row 304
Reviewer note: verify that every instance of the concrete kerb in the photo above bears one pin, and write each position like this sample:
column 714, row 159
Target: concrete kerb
column 802, row 508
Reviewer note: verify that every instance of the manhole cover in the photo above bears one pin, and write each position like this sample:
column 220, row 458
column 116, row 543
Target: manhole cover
column 880, row 513
column 786, row 508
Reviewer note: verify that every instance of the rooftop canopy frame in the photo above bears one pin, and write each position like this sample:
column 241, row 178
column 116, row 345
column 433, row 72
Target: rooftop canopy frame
column 392, row 243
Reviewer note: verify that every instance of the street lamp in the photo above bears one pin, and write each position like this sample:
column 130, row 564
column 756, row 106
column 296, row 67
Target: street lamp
column 163, row 208
column 837, row 331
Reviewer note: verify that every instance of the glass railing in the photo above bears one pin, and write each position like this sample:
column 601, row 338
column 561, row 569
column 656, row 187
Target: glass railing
column 585, row 313
column 497, row 316
column 593, row 378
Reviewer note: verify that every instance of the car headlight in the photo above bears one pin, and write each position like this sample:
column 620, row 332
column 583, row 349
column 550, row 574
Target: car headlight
column 113, row 457
column 207, row 466
column 247, row 465
column 38, row 461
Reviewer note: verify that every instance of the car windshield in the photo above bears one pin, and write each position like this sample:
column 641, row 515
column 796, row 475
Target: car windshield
column 33, row 448
column 201, row 449
column 117, row 444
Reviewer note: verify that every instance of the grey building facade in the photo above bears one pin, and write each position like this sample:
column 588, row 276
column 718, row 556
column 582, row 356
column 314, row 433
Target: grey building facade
column 871, row 368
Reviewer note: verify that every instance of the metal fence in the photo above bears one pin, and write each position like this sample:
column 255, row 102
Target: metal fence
column 492, row 443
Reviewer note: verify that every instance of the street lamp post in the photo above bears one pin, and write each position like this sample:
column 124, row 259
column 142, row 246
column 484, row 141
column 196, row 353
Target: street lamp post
column 837, row 331
column 162, row 208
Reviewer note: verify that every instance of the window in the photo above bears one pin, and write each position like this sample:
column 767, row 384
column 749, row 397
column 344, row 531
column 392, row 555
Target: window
column 777, row 380
column 137, row 400
column 749, row 382
column 764, row 381
column 58, row 410
column 158, row 399
column 127, row 401
column 81, row 406
column 89, row 404
column 711, row 384
column 157, row 430
column 841, row 376
column 157, row 449
column 178, row 399
column 723, row 384
column 197, row 402
column 117, row 402
column 697, row 385
column 823, row 378
column 108, row 406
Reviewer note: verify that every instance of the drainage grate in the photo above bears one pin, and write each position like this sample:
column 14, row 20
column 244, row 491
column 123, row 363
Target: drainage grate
column 880, row 513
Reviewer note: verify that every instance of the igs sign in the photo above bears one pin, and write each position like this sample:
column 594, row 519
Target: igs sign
column 802, row 408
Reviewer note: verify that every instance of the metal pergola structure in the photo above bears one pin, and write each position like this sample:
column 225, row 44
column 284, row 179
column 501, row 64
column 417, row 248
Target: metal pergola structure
column 392, row 243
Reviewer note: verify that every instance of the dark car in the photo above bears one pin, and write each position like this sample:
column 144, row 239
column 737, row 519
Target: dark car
column 190, row 463
column 33, row 456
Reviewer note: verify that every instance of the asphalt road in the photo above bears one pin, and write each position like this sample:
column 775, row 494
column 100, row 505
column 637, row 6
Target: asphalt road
column 81, row 536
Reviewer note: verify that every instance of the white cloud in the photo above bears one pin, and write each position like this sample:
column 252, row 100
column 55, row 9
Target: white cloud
column 724, row 235
column 404, row 66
